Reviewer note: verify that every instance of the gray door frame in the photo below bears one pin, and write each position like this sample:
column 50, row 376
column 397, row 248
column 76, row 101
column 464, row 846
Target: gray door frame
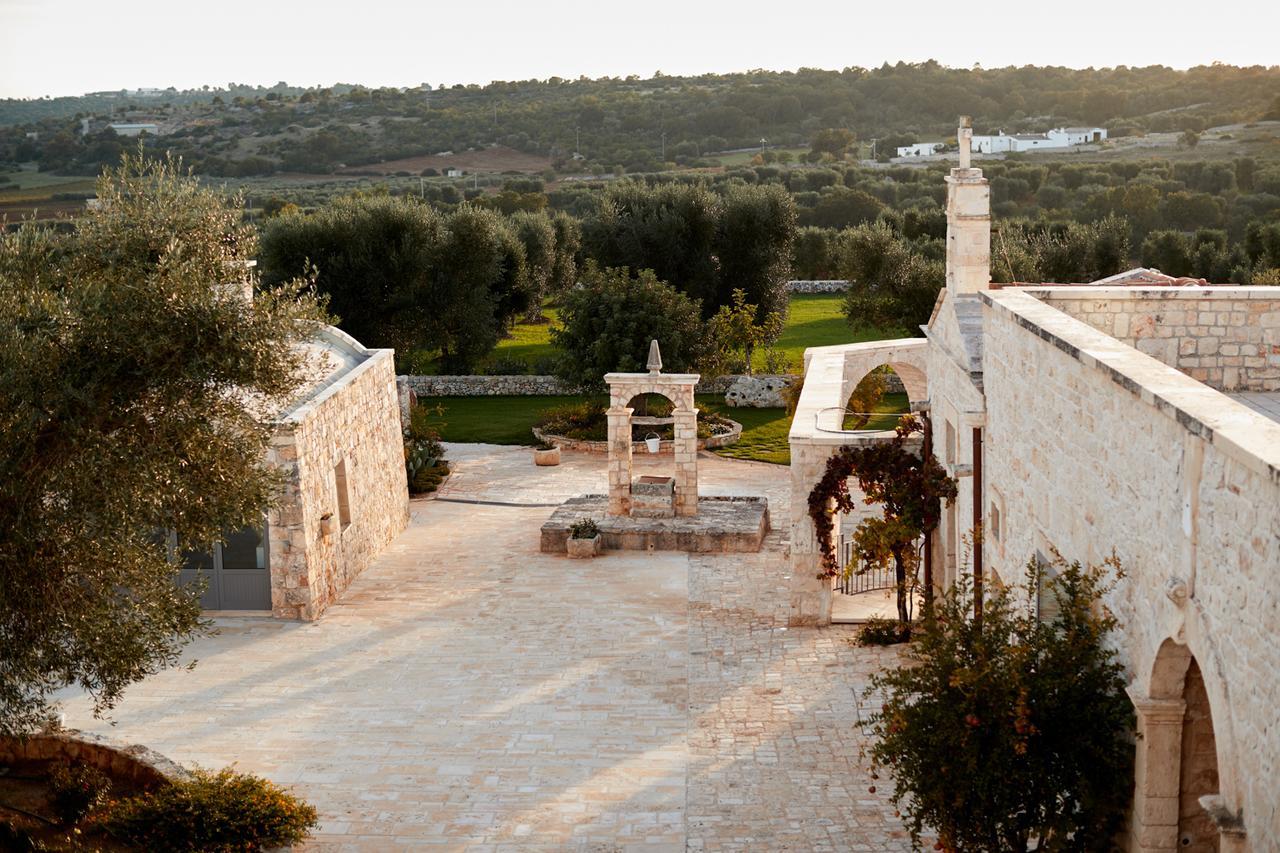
column 218, row 594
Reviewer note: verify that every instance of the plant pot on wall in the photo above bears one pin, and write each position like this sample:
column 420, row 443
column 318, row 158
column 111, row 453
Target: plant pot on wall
column 327, row 524
column 548, row 455
column 583, row 548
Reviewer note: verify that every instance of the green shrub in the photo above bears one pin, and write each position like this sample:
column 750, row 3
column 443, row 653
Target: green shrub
column 584, row 528
column 221, row 811
column 75, row 790
column 883, row 632
column 1015, row 726
column 427, row 480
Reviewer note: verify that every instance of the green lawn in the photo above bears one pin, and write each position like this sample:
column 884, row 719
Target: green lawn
column 492, row 420
column 815, row 319
column 509, row 420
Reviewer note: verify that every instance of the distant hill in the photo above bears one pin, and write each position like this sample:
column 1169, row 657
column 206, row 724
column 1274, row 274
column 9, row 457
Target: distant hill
column 633, row 124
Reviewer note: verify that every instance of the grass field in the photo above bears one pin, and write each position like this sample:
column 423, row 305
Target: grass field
column 509, row 420
column 742, row 158
column 815, row 320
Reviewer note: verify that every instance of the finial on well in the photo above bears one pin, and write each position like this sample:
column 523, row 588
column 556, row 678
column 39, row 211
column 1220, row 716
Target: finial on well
column 655, row 358
column 964, row 138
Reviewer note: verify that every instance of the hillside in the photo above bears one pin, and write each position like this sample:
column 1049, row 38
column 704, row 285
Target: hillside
column 629, row 124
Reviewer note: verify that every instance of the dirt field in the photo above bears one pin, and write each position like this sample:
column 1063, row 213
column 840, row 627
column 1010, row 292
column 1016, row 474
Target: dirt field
column 499, row 159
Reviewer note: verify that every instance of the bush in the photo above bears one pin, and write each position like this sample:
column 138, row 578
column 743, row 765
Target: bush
column 883, row 632
column 608, row 322
column 221, row 811
column 74, row 791
column 1015, row 726
column 424, row 462
column 584, row 528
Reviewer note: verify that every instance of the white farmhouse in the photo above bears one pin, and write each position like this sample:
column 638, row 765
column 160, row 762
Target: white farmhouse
column 1058, row 137
column 921, row 149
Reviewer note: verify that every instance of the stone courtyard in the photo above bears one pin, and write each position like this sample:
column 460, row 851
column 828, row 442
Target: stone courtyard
column 470, row 692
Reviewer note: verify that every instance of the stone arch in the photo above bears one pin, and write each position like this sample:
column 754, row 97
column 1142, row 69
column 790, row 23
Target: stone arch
column 676, row 387
column 1184, row 740
column 908, row 359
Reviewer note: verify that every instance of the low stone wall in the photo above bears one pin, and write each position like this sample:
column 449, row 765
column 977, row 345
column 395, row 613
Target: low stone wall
column 518, row 386
column 488, row 386
column 834, row 285
column 139, row 765
column 664, row 447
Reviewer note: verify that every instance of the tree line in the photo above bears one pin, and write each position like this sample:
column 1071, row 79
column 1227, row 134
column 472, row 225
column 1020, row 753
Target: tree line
column 640, row 124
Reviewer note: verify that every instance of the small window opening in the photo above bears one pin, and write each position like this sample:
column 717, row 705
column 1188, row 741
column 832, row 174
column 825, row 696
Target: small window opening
column 344, row 495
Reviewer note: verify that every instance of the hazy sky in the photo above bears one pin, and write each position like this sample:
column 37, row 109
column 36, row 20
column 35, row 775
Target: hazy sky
column 61, row 47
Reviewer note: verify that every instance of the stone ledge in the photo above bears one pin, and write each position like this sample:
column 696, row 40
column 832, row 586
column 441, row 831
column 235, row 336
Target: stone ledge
column 722, row 525
column 137, row 764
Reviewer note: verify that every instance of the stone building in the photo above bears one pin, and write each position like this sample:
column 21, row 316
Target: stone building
column 1138, row 415
column 340, row 449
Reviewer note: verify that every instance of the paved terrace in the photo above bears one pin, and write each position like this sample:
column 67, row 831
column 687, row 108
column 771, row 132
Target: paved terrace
column 469, row 692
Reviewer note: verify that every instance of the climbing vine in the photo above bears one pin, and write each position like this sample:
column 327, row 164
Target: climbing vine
column 910, row 488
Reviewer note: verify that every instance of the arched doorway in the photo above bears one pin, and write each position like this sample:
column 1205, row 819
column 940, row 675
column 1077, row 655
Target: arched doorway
column 1178, row 804
column 1198, row 771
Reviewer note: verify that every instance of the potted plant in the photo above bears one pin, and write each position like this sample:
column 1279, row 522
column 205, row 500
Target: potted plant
column 584, row 539
column 546, row 453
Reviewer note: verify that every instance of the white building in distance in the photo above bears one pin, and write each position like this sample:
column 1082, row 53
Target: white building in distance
column 922, row 149
column 134, row 129
column 1059, row 137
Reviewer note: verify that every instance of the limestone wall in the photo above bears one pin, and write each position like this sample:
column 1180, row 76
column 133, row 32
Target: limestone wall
column 137, row 764
column 350, row 432
column 1226, row 337
column 1093, row 446
column 520, row 386
column 834, row 285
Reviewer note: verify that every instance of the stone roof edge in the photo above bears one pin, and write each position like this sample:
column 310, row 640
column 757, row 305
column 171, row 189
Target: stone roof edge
column 299, row 413
column 1250, row 438
column 1082, row 292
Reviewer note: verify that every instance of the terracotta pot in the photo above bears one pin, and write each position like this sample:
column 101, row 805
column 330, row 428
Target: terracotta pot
column 582, row 548
column 547, row 457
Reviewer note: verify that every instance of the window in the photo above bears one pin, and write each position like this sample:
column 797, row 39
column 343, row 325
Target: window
column 344, row 495
column 1046, row 602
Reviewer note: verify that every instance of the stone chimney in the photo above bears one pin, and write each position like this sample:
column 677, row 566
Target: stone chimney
column 968, row 221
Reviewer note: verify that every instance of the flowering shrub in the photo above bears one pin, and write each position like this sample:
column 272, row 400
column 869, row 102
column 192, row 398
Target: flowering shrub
column 1015, row 730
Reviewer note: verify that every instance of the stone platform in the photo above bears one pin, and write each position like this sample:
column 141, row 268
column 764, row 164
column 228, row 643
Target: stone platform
column 722, row 525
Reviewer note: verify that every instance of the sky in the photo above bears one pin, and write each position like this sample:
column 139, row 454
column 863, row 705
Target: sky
column 68, row 47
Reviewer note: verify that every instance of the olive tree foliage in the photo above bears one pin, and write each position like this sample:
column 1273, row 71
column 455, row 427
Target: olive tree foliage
column 891, row 285
column 400, row 274
column 537, row 236
column 1067, row 252
column 136, row 382
column 1012, row 732
column 705, row 245
column 607, row 322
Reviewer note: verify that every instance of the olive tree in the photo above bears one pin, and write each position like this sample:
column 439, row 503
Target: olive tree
column 136, row 384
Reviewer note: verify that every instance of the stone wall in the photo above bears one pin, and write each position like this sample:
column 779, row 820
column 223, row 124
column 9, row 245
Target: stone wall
column 1226, row 337
column 834, row 285
column 351, row 431
column 1094, row 447
column 139, row 765
column 520, row 386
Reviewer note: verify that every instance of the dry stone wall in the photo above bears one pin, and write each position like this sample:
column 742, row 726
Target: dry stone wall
column 1092, row 450
column 514, row 385
column 137, row 764
column 1228, row 337
column 818, row 286
column 348, row 437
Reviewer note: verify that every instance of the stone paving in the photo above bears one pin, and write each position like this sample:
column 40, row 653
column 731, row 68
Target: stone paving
column 469, row 692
